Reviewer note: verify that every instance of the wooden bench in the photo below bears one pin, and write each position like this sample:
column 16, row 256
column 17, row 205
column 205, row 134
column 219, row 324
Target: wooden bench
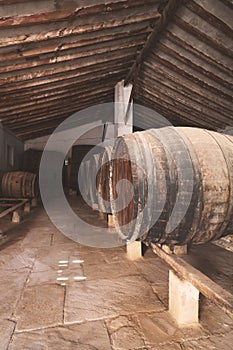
column 185, row 284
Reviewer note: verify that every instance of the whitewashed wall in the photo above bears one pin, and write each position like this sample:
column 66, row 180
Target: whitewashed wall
column 9, row 139
column 93, row 137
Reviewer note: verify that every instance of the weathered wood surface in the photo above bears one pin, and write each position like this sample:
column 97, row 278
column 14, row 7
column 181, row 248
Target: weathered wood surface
column 182, row 180
column 19, row 184
column 59, row 57
column 205, row 285
column 187, row 76
column 62, row 46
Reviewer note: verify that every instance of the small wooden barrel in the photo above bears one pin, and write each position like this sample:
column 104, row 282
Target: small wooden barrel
column 19, row 184
column 182, row 181
column 103, row 181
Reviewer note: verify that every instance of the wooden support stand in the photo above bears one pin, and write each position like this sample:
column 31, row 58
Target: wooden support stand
column 34, row 202
column 183, row 300
column 95, row 206
column 183, row 291
column 27, row 207
column 110, row 220
column 134, row 250
column 16, row 217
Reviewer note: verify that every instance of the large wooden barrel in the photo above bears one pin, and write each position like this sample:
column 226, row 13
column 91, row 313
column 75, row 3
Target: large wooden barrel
column 103, row 181
column 19, row 184
column 181, row 181
column 78, row 153
column 93, row 170
column 83, row 180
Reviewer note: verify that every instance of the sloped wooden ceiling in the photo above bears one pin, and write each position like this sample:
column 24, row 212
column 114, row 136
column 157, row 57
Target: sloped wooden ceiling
column 187, row 76
column 60, row 56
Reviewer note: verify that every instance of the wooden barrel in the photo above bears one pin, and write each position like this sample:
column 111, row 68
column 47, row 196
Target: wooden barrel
column 103, row 181
column 83, row 180
column 181, row 181
column 78, row 153
column 19, row 184
column 93, row 171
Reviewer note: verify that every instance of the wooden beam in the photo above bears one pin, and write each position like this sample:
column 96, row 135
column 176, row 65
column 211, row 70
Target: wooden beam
column 76, row 30
column 160, row 25
column 71, row 55
column 122, row 102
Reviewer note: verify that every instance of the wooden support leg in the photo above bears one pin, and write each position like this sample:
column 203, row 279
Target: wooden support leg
column 16, row 217
column 183, row 300
column 72, row 192
column 110, row 220
column 27, row 207
column 134, row 250
column 95, row 206
column 34, row 202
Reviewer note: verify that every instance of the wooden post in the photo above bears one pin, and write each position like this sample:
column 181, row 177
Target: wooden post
column 110, row 220
column 183, row 300
column 34, row 202
column 124, row 125
column 27, row 207
column 134, row 250
column 122, row 97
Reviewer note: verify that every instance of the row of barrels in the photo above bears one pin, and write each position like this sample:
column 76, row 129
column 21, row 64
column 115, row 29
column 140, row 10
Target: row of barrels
column 94, row 179
column 168, row 185
column 177, row 185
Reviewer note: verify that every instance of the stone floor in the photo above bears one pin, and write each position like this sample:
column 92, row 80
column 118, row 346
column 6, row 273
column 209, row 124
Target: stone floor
column 57, row 294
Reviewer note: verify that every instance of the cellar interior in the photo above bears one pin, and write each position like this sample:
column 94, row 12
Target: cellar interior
column 116, row 175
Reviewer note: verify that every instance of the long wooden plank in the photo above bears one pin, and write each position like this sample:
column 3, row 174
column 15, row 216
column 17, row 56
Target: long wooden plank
column 12, row 199
column 13, row 208
column 204, row 284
